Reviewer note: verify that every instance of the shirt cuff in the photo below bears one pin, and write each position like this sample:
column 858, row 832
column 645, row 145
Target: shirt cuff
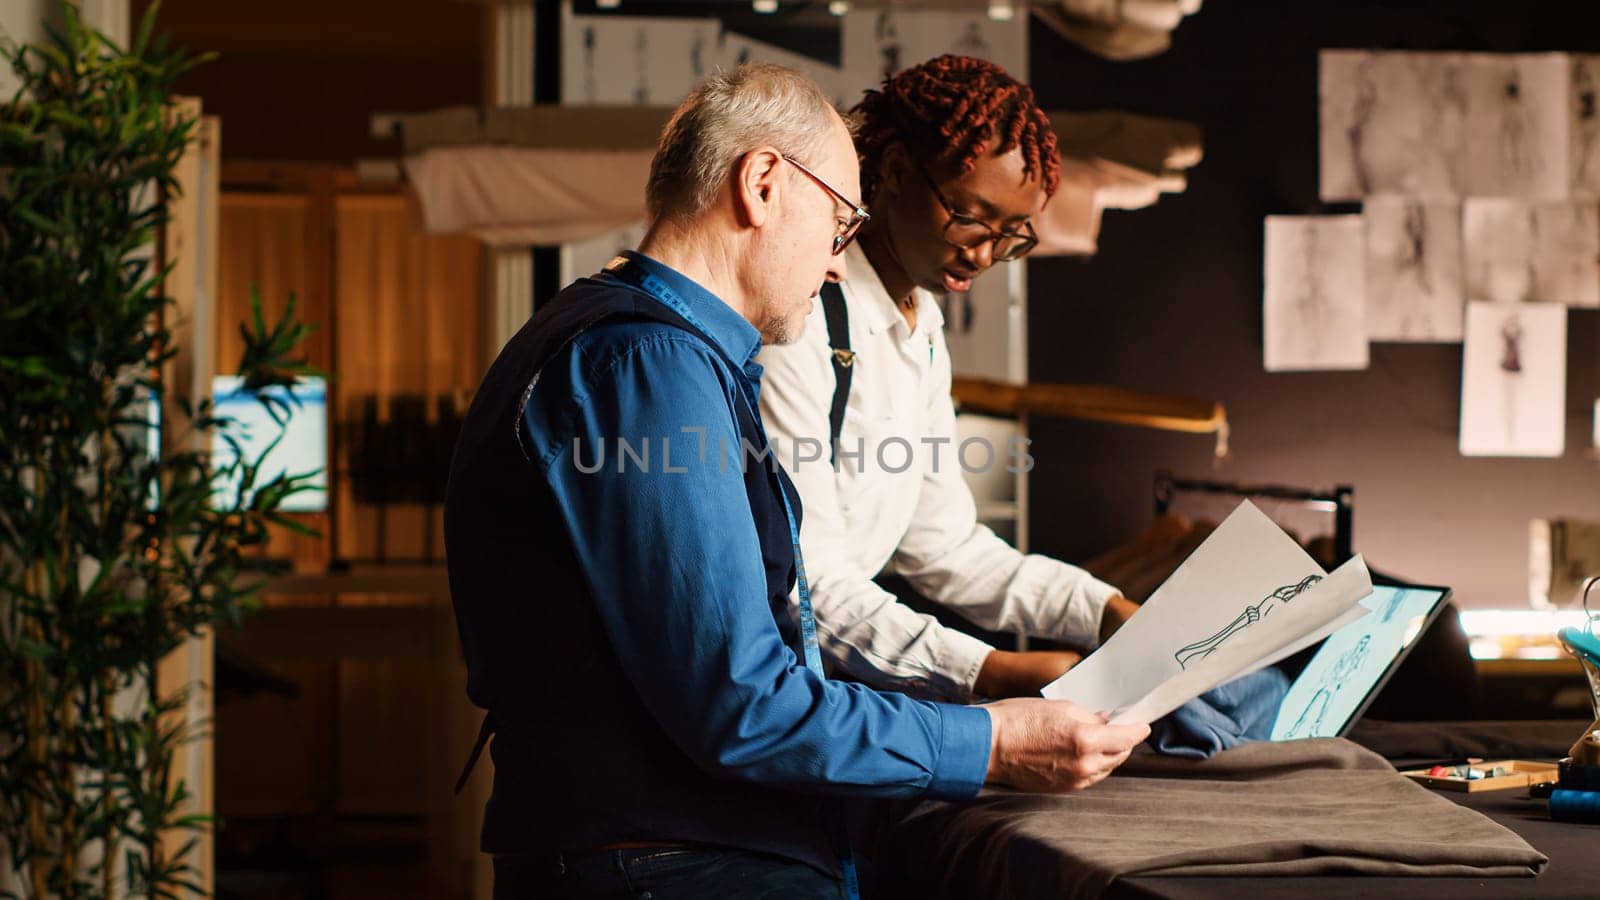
column 963, row 752
column 1096, row 594
column 962, row 657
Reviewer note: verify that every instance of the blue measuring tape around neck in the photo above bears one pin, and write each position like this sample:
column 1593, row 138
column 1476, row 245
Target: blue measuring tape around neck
column 637, row 275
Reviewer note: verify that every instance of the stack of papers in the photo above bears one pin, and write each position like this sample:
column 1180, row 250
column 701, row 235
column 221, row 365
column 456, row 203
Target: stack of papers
column 1246, row 598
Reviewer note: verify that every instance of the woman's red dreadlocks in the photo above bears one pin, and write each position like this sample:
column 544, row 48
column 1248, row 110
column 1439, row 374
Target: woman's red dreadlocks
column 953, row 110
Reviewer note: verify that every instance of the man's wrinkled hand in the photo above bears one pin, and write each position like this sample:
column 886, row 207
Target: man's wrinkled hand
column 1055, row 745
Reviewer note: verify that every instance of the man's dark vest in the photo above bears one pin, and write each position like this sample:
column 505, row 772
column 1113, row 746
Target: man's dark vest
column 579, row 761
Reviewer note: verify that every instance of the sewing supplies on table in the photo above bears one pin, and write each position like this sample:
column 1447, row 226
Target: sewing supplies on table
column 1477, row 775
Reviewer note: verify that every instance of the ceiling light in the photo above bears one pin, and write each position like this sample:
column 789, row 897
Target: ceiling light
column 607, row 4
column 838, row 7
column 764, row 6
column 1001, row 10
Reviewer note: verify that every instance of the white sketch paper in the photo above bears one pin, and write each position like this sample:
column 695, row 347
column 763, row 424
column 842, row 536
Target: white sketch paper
column 1514, row 380
column 636, row 60
column 1517, row 251
column 1249, row 595
column 1517, row 125
column 1315, row 293
column 1391, row 123
column 1584, row 121
column 881, row 42
column 1413, row 269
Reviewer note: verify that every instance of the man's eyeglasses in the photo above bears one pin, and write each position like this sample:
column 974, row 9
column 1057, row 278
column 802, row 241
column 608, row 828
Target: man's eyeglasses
column 964, row 231
column 846, row 229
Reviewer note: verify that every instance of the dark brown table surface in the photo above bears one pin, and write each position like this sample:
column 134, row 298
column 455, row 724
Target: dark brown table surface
column 1574, row 850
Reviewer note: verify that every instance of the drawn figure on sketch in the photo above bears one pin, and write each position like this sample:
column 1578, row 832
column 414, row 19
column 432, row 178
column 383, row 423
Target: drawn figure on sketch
column 696, row 55
column 888, row 40
column 1393, row 606
column 1251, row 615
column 1348, row 663
column 641, row 89
column 1447, row 114
column 589, row 90
column 1355, row 133
column 1511, row 346
column 1586, row 127
column 1412, row 262
column 1519, row 157
column 1315, row 311
column 971, row 42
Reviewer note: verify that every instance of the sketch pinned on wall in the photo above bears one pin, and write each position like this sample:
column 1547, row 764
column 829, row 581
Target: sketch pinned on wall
column 1314, row 307
column 886, row 40
column 880, row 42
column 1514, row 380
column 979, row 325
column 1413, row 269
column 1391, row 123
column 1517, row 251
column 1584, row 152
column 591, row 85
column 634, row 59
column 1517, row 125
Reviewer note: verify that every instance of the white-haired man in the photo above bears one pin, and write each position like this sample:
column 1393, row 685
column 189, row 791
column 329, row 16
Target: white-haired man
column 622, row 548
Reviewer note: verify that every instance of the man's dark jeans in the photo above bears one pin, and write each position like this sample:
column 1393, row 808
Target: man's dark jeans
column 659, row 873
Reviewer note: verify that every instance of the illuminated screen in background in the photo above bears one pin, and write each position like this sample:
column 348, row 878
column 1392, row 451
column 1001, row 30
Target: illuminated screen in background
column 304, row 447
column 1352, row 662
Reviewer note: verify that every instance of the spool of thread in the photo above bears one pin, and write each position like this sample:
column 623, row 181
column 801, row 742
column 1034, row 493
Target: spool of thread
column 1575, row 806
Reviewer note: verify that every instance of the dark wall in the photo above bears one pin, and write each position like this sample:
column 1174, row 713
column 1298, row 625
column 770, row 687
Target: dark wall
column 1172, row 303
column 301, row 79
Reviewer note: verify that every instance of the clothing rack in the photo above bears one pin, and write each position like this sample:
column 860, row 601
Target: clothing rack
column 1340, row 501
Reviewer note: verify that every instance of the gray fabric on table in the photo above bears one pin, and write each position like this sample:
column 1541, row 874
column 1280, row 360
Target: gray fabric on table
column 1298, row 808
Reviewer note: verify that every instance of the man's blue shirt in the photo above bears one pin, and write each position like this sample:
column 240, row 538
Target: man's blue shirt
column 634, row 428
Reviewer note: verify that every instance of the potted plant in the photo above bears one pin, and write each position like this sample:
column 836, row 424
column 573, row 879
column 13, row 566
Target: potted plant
column 112, row 552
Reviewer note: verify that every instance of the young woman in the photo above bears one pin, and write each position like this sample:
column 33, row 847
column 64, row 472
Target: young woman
column 956, row 160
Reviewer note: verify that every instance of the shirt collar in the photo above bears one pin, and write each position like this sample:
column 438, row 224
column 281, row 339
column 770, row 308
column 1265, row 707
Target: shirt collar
column 711, row 314
column 878, row 310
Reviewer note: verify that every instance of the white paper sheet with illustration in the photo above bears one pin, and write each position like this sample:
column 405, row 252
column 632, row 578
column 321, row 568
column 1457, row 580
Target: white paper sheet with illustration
column 1413, row 269
column 1314, row 307
column 1514, row 380
column 1518, row 251
column 1247, row 597
column 1392, row 123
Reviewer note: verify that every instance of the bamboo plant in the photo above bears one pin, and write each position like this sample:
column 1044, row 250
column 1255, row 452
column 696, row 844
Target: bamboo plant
column 113, row 553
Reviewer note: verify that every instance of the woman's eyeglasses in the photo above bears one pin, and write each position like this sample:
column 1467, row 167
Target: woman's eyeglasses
column 963, row 231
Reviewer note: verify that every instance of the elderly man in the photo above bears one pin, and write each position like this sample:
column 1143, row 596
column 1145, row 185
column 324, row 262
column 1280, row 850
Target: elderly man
column 622, row 548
